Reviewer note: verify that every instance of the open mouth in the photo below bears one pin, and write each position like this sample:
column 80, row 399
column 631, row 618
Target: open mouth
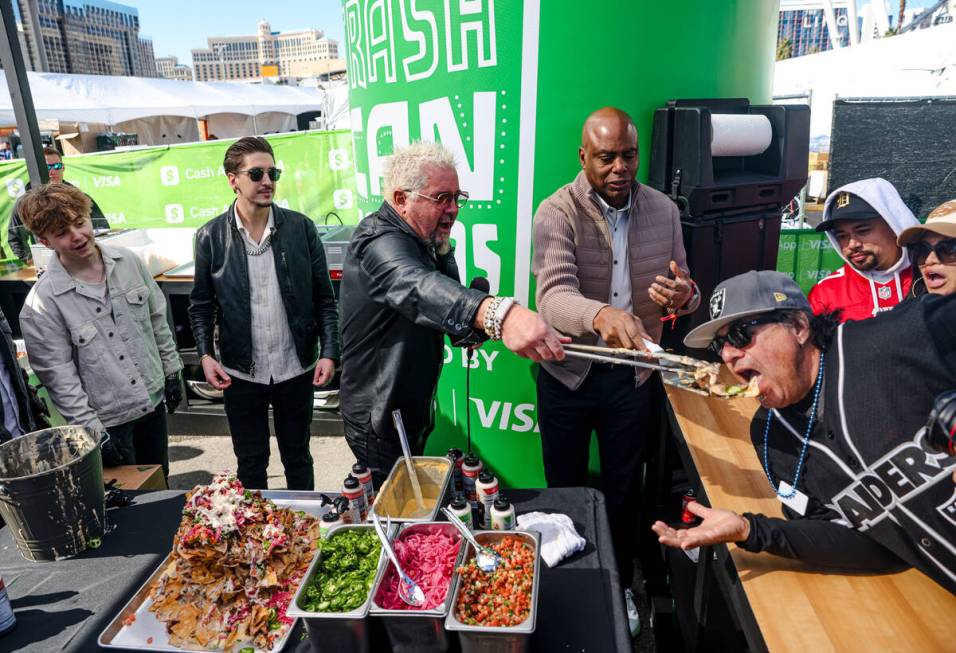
column 934, row 279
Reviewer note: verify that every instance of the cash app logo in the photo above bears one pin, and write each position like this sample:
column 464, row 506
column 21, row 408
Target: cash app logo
column 169, row 175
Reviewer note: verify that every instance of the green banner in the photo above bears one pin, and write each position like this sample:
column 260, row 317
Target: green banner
column 506, row 87
column 185, row 185
column 807, row 256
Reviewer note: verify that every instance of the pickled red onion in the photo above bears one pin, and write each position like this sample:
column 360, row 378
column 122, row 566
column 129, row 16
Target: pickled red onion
column 429, row 559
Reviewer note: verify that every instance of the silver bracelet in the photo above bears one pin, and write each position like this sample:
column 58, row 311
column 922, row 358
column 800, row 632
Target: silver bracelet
column 489, row 321
column 500, row 312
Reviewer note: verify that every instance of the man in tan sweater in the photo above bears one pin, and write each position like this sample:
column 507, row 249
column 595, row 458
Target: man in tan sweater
column 610, row 264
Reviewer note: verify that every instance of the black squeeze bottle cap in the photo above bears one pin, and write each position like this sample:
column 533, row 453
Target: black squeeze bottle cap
column 331, row 515
column 502, row 503
column 351, row 482
column 459, row 501
column 359, row 469
column 471, row 460
column 486, row 476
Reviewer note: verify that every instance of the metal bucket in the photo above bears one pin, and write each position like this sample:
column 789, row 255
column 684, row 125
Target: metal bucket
column 51, row 491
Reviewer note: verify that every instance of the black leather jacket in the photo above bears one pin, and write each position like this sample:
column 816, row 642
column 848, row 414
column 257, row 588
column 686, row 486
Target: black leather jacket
column 220, row 294
column 397, row 300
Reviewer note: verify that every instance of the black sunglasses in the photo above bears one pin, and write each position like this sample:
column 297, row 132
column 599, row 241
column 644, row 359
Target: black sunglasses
column 945, row 251
column 255, row 174
column 55, row 166
column 740, row 334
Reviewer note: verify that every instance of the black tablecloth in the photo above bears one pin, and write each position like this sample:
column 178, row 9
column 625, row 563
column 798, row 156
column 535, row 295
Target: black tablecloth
column 65, row 605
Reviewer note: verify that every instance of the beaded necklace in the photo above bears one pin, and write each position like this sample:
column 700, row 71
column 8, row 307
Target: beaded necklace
column 806, row 439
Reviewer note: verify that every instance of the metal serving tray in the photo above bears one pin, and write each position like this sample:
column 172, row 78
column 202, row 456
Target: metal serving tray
column 148, row 632
column 434, row 476
column 418, row 631
column 336, row 632
column 497, row 639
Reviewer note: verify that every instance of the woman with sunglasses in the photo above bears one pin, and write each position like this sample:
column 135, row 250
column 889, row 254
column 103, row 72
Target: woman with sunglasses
column 932, row 249
column 841, row 431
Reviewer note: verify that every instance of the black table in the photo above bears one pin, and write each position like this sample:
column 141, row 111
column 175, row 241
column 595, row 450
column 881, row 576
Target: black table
column 65, row 605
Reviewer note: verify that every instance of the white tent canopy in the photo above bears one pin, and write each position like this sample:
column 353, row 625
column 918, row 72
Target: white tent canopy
column 921, row 63
column 111, row 100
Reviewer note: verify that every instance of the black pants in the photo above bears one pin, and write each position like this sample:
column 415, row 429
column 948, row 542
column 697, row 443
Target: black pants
column 143, row 441
column 247, row 410
column 609, row 404
column 380, row 453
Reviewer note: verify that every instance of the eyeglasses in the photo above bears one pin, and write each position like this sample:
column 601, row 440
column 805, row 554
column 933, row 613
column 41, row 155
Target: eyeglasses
column 55, row 166
column 945, row 251
column 444, row 199
column 256, row 174
column 740, row 334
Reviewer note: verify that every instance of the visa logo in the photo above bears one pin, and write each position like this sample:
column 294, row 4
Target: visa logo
column 106, row 182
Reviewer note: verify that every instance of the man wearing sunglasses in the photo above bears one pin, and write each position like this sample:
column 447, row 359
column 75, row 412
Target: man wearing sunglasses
column 262, row 281
column 842, row 429
column 862, row 221
column 19, row 236
column 401, row 293
column 932, row 248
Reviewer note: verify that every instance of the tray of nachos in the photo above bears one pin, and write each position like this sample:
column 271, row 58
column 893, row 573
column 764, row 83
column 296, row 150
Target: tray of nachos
column 236, row 562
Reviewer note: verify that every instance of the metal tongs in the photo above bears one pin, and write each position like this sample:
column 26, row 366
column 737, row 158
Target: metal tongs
column 662, row 361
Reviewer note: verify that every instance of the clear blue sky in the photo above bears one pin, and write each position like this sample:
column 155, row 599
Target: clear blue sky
column 178, row 26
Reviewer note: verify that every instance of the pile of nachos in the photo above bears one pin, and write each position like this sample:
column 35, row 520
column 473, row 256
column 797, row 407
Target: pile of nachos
column 237, row 561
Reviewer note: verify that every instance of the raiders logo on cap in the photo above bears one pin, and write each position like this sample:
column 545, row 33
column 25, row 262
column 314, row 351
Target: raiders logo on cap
column 717, row 303
column 843, row 199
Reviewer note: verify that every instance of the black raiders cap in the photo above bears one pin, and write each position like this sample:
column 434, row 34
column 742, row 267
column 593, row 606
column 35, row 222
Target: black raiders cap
column 745, row 295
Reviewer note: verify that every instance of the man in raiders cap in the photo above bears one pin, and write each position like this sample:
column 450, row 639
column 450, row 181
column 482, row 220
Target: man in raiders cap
column 842, row 429
column 862, row 221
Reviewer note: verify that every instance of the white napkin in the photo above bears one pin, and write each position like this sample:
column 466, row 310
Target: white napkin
column 559, row 539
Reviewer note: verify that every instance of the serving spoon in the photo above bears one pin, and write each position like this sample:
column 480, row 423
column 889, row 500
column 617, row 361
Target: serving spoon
column 486, row 559
column 408, row 590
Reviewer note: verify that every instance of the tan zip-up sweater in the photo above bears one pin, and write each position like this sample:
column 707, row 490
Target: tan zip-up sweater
column 572, row 263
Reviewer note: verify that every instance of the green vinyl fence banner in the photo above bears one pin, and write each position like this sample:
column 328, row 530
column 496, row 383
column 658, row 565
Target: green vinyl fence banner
column 807, row 256
column 506, row 87
column 185, row 185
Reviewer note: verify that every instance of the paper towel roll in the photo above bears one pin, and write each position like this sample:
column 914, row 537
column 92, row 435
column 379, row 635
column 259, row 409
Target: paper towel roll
column 739, row 135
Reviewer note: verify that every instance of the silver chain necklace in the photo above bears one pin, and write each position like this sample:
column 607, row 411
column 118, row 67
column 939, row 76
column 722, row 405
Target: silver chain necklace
column 259, row 250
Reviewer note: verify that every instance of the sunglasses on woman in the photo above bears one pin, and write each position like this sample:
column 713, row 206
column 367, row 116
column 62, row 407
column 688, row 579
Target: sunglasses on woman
column 740, row 334
column 945, row 251
column 256, row 174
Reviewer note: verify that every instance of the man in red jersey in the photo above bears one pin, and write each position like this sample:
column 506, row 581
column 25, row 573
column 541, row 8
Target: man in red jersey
column 862, row 221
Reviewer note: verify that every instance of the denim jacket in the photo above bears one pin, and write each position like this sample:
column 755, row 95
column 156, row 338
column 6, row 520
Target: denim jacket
column 101, row 367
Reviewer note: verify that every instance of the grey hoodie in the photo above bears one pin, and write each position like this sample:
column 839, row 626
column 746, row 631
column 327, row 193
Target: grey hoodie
column 882, row 196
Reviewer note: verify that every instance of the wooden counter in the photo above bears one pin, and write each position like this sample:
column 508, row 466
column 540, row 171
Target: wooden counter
column 796, row 607
column 23, row 275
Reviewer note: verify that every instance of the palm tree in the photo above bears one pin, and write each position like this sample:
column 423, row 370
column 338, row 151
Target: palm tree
column 900, row 17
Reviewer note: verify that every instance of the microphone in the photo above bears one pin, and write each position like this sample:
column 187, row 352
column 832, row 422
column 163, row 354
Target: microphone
column 480, row 283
